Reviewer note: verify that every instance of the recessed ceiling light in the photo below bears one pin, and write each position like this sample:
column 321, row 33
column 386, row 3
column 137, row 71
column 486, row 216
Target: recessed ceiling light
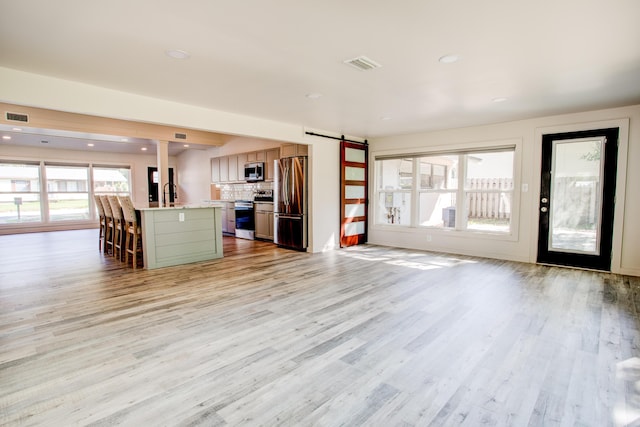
column 17, row 129
column 186, row 145
column 313, row 95
column 449, row 59
column 124, row 140
column 90, row 144
column 499, row 99
column 7, row 137
column 178, row 54
column 144, row 148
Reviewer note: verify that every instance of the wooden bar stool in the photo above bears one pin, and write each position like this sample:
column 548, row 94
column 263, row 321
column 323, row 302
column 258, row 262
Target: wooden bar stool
column 102, row 222
column 118, row 225
column 133, row 232
column 108, row 230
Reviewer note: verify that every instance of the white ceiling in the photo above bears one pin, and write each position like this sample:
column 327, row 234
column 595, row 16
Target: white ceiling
column 67, row 140
column 261, row 58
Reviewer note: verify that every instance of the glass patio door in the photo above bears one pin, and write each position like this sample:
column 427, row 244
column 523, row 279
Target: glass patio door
column 577, row 198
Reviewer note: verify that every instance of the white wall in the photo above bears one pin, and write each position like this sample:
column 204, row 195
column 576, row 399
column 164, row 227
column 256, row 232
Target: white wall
column 324, row 191
column 526, row 134
column 194, row 178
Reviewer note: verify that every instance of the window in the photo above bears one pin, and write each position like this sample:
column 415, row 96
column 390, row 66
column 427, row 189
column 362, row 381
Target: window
column 395, row 184
column 111, row 180
column 463, row 191
column 437, row 193
column 67, row 192
column 19, row 193
column 488, row 191
column 21, row 185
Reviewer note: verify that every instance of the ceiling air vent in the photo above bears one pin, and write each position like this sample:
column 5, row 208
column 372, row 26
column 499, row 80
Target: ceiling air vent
column 181, row 136
column 363, row 63
column 16, row 117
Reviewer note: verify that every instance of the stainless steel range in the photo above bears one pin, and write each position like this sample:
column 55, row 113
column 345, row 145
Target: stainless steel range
column 245, row 222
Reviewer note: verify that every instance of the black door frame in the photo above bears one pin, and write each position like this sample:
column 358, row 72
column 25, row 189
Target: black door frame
column 610, row 153
column 153, row 186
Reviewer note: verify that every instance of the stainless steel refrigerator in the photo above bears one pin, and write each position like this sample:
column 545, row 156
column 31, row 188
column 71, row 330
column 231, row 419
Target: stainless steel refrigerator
column 290, row 203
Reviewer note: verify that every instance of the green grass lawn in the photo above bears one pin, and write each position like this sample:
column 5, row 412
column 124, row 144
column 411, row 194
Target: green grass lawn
column 10, row 207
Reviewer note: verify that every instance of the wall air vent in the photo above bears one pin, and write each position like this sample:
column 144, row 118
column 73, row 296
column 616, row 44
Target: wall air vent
column 16, row 117
column 181, row 136
column 363, row 63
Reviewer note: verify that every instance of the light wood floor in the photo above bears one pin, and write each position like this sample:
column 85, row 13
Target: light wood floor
column 365, row 336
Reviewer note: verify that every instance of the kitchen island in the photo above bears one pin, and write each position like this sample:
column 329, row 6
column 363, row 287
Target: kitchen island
column 181, row 235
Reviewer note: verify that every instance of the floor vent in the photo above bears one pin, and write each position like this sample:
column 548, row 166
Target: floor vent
column 16, row 117
column 363, row 63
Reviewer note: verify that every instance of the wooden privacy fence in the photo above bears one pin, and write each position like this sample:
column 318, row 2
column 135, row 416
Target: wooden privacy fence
column 489, row 197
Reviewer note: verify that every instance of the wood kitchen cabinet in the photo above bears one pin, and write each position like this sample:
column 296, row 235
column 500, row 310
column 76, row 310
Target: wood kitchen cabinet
column 215, row 170
column 242, row 159
column 292, row 150
column 270, row 156
column 255, row 156
column 224, row 169
column 227, row 169
column 223, row 215
column 264, row 220
column 231, row 218
column 233, row 168
column 228, row 218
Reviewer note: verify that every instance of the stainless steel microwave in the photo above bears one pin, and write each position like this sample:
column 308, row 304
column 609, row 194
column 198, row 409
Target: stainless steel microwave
column 254, row 172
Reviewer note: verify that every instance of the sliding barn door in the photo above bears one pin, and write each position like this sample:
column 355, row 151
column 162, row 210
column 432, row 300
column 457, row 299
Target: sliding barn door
column 353, row 193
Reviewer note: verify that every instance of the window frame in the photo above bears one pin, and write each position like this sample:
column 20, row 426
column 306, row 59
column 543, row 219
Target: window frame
column 20, row 194
column 396, row 190
column 443, row 190
column 116, row 192
column 51, row 194
column 461, row 229
column 45, row 222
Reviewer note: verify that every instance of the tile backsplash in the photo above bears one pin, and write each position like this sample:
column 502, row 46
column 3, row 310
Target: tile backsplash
column 243, row 191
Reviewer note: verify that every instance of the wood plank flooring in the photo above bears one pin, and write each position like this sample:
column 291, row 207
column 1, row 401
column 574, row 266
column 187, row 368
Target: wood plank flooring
column 267, row 337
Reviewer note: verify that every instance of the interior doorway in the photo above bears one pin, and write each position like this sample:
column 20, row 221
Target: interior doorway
column 169, row 191
column 577, row 198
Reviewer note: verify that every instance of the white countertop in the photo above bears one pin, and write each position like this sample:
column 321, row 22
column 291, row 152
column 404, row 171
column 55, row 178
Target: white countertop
column 190, row 206
column 233, row 201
